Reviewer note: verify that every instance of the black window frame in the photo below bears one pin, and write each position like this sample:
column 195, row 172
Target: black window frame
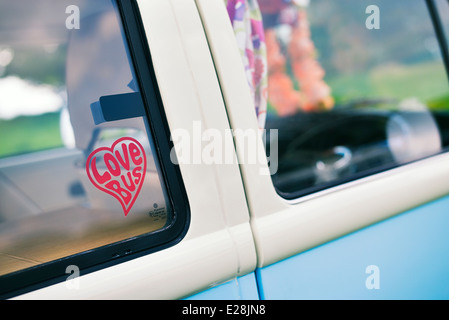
column 440, row 33
column 434, row 15
column 43, row 275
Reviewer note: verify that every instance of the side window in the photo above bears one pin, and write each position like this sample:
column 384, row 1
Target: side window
column 80, row 175
column 352, row 88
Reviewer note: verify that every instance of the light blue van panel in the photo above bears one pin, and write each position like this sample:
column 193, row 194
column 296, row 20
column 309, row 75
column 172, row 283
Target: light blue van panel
column 242, row 288
column 404, row 257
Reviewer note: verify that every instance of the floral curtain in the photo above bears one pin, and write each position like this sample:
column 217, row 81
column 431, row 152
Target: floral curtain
column 267, row 56
column 247, row 23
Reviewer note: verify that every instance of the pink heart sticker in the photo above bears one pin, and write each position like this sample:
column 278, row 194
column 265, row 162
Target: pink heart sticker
column 122, row 172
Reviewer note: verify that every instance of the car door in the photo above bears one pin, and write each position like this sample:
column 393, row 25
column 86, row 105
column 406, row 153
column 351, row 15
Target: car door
column 351, row 199
column 112, row 206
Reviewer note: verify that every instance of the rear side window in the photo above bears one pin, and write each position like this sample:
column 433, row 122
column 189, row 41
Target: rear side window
column 353, row 88
column 80, row 173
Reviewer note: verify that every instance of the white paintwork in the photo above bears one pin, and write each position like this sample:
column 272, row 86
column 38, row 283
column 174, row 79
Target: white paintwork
column 284, row 228
column 219, row 244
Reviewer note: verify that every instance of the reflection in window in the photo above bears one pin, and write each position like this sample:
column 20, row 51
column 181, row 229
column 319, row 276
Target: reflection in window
column 348, row 100
column 50, row 78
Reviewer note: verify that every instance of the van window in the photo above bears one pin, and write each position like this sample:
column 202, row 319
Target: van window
column 353, row 88
column 78, row 170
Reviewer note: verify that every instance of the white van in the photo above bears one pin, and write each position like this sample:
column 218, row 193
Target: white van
column 224, row 149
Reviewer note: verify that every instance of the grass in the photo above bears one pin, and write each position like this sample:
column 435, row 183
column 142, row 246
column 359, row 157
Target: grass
column 29, row 133
column 426, row 81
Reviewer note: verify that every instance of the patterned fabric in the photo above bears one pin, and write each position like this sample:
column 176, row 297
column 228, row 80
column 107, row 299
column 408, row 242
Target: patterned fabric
column 300, row 57
column 246, row 20
column 266, row 63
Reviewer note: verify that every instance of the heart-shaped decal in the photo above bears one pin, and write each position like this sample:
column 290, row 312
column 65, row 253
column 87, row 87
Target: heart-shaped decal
column 119, row 170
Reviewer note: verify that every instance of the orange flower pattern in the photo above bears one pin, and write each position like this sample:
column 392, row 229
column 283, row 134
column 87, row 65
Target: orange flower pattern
column 314, row 94
column 266, row 63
